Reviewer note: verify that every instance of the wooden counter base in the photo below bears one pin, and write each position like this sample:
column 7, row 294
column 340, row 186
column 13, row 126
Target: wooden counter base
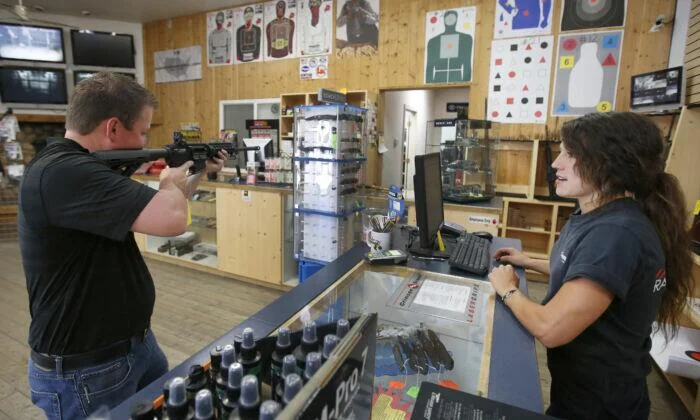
column 211, row 270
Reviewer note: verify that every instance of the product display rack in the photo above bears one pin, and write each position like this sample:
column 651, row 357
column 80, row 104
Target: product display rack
column 329, row 152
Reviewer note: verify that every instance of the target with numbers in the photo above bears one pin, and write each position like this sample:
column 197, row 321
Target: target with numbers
column 592, row 14
column 587, row 68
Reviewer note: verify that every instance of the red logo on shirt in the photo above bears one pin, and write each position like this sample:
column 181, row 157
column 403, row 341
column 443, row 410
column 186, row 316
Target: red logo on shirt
column 660, row 282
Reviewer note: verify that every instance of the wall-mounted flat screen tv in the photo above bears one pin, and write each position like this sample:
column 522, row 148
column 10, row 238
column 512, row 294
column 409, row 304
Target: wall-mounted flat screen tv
column 657, row 90
column 80, row 75
column 29, row 85
column 31, row 43
column 103, row 49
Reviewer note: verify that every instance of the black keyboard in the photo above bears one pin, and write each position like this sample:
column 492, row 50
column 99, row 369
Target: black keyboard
column 471, row 253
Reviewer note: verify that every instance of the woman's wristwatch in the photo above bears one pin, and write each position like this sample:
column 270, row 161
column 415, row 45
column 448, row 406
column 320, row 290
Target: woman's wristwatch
column 508, row 294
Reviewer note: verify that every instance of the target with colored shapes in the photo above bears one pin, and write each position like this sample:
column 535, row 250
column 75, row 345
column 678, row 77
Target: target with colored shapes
column 586, row 76
column 525, row 65
column 592, row 14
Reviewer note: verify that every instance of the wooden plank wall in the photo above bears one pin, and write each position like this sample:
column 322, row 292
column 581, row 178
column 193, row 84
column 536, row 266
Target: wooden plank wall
column 399, row 64
column 692, row 55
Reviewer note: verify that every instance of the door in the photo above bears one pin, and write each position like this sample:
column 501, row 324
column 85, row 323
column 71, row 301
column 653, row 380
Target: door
column 409, row 137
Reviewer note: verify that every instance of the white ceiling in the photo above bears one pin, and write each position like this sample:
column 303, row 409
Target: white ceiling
column 128, row 10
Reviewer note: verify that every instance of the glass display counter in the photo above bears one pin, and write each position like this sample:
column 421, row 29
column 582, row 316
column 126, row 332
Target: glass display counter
column 431, row 327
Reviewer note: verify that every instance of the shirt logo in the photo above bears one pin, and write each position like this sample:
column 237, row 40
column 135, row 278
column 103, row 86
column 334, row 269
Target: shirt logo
column 563, row 258
column 660, row 282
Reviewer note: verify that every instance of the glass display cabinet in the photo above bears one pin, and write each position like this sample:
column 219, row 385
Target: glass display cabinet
column 431, row 327
column 468, row 160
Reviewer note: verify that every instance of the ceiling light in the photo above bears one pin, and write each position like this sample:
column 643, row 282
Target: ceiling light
column 85, row 12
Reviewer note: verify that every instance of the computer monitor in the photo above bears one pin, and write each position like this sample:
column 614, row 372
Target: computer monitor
column 428, row 198
column 658, row 90
column 256, row 142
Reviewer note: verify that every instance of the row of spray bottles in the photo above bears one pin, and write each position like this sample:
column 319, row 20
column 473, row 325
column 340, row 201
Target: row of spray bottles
column 232, row 390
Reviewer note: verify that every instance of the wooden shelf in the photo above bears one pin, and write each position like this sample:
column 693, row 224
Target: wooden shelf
column 687, row 391
column 694, row 319
column 40, row 118
column 534, row 230
column 540, row 202
column 538, row 255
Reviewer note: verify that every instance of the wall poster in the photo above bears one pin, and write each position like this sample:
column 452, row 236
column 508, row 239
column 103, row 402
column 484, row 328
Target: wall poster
column 592, row 14
column 519, row 80
column 220, row 38
column 356, row 28
column 179, row 65
column 517, row 18
column 449, row 45
column 250, row 42
column 280, row 29
column 315, row 24
column 587, row 69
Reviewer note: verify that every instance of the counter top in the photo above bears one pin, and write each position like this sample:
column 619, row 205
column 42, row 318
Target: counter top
column 495, row 203
column 513, row 377
column 218, row 184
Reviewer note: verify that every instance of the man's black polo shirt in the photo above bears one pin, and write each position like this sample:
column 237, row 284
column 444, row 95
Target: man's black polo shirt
column 88, row 284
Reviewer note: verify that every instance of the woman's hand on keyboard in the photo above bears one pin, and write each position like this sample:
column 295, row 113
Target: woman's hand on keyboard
column 511, row 256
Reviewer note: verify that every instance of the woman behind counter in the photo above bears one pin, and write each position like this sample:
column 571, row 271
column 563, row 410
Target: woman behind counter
column 621, row 262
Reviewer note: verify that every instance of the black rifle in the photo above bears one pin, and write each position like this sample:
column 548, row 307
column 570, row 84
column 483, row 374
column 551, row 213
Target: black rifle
column 127, row 161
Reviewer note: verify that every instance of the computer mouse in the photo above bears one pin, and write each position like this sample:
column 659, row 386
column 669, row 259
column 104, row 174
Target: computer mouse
column 482, row 234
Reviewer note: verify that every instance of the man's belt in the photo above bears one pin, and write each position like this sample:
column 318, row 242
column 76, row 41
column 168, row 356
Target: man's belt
column 87, row 359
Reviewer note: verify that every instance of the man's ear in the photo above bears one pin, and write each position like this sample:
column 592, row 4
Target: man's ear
column 112, row 129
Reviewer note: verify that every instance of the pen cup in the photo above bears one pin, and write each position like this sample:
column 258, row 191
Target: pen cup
column 380, row 241
column 367, row 225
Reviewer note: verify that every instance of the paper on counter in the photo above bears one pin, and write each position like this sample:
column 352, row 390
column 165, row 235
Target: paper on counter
column 447, row 296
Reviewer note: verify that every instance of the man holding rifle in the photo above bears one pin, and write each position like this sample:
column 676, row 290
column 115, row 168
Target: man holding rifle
column 91, row 295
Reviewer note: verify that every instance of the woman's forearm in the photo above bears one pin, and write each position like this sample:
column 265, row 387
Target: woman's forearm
column 541, row 266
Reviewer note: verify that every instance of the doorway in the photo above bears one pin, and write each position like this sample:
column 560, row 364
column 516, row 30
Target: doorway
column 407, row 115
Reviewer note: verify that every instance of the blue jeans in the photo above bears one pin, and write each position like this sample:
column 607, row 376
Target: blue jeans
column 78, row 393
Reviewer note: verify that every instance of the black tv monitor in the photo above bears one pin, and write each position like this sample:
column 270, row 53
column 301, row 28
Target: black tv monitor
column 80, row 75
column 103, row 49
column 427, row 184
column 31, row 85
column 31, row 43
column 657, row 90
